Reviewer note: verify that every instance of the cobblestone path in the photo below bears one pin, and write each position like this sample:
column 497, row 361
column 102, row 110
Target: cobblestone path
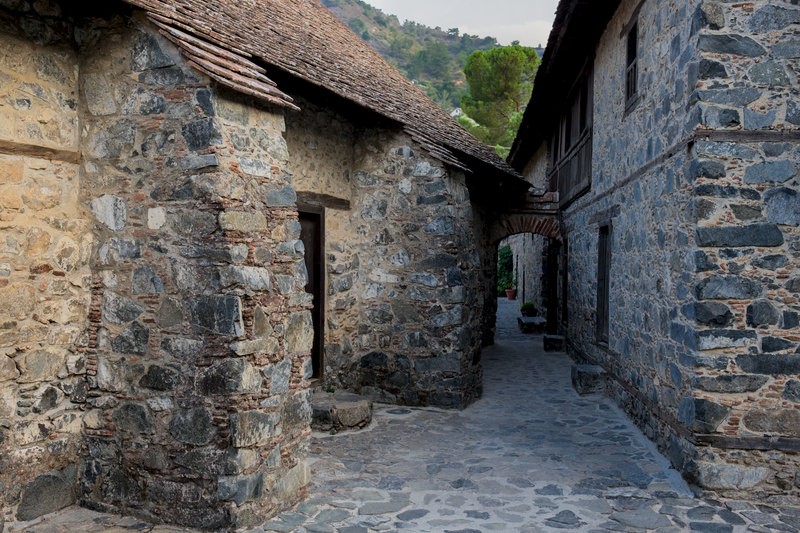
column 530, row 456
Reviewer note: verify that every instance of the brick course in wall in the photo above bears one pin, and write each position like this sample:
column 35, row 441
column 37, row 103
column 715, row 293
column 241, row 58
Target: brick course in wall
column 200, row 330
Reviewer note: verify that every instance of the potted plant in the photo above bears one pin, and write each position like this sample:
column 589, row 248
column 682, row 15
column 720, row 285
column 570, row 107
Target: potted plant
column 511, row 288
column 528, row 309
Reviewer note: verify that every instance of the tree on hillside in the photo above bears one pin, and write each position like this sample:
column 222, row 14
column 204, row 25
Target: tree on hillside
column 500, row 82
column 433, row 61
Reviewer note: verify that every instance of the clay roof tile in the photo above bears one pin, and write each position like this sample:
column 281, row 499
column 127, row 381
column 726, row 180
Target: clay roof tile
column 228, row 40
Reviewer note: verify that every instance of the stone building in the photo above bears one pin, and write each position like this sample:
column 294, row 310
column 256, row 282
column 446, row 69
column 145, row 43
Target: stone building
column 175, row 175
column 675, row 156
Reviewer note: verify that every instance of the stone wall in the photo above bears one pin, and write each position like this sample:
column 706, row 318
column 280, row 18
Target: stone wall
column 45, row 280
column 404, row 287
column 698, row 183
column 746, row 375
column 528, row 249
column 322, row 143
column 640, row 191
column 200, row 331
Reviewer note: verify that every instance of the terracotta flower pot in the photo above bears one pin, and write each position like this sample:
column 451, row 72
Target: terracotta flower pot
column 511, row 294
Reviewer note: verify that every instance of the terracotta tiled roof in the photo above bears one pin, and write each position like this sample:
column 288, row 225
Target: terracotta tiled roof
column 229, row 39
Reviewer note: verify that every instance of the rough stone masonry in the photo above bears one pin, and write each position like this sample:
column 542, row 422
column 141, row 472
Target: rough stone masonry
column 155, row 328
column 695, row 182
column 154, row 325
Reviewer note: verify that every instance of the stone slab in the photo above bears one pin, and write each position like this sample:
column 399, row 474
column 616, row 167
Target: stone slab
column 340, row 411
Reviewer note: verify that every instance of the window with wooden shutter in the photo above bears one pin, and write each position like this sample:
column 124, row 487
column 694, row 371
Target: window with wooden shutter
column 571, row 144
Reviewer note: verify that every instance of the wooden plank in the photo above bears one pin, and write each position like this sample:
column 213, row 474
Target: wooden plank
column 313, row 199
column 784, row 444
column 745, row 136
column 40, row 152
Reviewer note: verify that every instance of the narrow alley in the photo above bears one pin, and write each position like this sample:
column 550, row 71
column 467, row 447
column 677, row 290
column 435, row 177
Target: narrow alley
column 531, row 455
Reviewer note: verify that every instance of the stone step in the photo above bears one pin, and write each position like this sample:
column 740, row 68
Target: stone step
column 553, row 343
column 587, row 379
column 531, row 324
column 340, row 411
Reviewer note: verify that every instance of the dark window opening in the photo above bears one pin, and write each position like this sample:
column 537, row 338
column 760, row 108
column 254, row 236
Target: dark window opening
column 632, row 66
column 603, row 282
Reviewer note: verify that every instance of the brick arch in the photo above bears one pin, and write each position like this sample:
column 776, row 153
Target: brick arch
column 541, row 224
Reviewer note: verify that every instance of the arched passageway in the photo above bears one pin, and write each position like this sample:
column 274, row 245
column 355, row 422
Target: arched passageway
column 537, row 259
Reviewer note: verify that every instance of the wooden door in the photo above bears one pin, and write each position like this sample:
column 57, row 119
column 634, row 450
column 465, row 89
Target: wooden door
column 311, row 234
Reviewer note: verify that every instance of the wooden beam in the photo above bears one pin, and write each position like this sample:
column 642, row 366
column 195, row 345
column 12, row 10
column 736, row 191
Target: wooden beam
column 39, row 152
column 313, row 199
column 744, row 136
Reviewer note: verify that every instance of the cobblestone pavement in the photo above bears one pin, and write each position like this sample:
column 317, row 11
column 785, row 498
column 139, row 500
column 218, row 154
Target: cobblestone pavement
column 530, row 456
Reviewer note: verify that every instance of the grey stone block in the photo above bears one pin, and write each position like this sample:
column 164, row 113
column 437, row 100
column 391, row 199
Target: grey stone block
column 232, row 376
column 47, row 493
column 785, row 422
column 146, row 281
column 701, row 416
column 773, row 17
column 783, row 206
column 553, row 343
column 133, row 340
column 283, row 197
column 733, row 44
column 770, row 364
column 119, row 310
column 160, row 378
column 770, row 172
column 201, row 134
column 776, row 344
column 771, row 262
column 713, row 339
column 253, row 428
column 713, row 314
column 217, row 314
column 728, row 476
column 791, row 391
column 193, row 426
column 587, row 379
column 132, row 418
column 762, row 313
column 730, row 383
column 340, row 411
column 767, row 235
column 728, row 287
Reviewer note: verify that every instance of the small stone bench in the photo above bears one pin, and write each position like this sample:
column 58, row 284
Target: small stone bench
column 340, row 411
column 553, row 343
column 531, row 324
column 587, row 379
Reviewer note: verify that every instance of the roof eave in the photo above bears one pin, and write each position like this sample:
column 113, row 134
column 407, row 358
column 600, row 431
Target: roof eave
column 577, row 28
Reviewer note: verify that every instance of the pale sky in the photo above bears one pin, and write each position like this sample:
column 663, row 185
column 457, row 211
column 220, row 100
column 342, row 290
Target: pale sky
column 527, row 21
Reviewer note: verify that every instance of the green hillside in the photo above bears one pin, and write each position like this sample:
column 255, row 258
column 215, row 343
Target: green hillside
column 431, row 57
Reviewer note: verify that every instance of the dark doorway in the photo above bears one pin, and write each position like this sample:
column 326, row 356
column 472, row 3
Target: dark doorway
column 550, row 285
column 312, row 227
